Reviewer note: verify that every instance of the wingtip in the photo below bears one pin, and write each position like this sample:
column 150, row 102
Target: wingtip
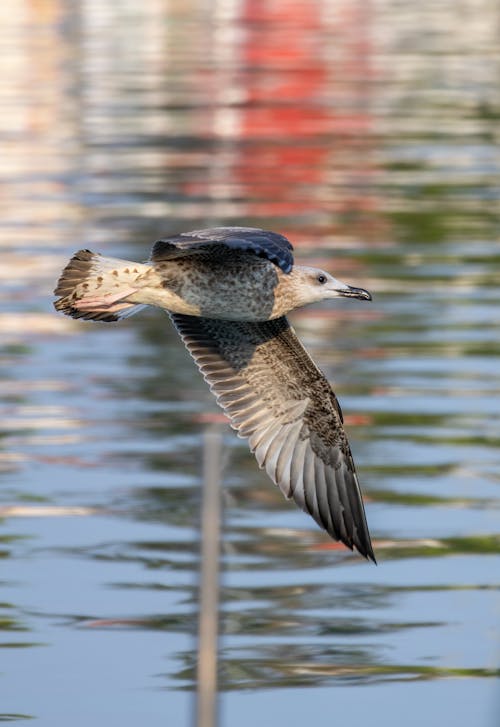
column 366, row 550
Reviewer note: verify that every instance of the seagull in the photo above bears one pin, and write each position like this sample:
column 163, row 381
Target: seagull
column 227, row 291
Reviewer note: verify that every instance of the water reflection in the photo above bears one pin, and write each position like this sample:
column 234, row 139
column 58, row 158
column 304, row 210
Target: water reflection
column 368, row 137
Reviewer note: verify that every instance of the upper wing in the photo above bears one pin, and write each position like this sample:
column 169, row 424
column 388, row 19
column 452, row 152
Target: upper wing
column 275, row 395
column 264, row 243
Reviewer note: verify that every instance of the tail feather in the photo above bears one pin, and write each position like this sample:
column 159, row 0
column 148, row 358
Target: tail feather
column 96, row 288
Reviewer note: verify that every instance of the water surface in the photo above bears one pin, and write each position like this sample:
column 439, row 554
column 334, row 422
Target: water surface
column 370, row 138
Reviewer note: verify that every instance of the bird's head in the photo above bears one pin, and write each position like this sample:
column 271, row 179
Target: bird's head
column 311, row 285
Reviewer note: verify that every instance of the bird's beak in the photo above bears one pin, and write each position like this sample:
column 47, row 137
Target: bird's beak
column 350, row 292
column 342, row 290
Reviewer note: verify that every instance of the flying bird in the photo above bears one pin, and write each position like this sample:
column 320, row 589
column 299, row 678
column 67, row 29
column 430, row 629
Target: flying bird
column 227, row 291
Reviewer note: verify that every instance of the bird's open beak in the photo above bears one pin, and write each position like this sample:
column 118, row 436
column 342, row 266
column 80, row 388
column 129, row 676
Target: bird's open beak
column 349, row 291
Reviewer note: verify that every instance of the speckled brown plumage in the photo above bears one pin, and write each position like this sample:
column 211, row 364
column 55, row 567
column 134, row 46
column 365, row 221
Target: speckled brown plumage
column 199, row 281
column 227, row 290
column 275, row 395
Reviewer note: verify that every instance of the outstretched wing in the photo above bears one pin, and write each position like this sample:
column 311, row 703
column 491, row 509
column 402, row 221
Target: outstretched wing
column 264, row 243
column 274, row 394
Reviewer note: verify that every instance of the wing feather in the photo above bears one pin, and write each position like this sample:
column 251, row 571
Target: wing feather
column 217, row 240
column 274, row 394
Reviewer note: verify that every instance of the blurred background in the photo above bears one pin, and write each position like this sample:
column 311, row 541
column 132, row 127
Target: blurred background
column 367, row 132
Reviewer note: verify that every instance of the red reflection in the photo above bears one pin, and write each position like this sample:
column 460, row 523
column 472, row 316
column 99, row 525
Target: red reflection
column 301, row 120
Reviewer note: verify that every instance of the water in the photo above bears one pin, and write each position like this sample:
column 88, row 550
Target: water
column 369, row 135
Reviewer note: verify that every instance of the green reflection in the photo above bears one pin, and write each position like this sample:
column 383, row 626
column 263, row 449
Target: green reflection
column 19, row 644
column 4, row 717
column 272, row 672
column 10, row 623
column 419, row 500
column 434, row 548
column 313, row 666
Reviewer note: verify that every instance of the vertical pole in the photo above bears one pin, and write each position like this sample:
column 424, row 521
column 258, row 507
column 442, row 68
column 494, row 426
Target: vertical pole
column 206, row 690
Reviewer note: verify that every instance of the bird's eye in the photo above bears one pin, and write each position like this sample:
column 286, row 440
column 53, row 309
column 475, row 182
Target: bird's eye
column 321, row 279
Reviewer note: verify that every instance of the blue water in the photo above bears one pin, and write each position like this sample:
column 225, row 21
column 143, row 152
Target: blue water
column 369, row 138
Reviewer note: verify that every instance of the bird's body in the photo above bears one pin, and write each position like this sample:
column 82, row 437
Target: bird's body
column 202, row 286
column 227, row 291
